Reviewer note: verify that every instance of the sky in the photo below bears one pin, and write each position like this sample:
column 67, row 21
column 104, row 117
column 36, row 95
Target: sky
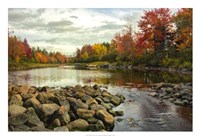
column 65, row 30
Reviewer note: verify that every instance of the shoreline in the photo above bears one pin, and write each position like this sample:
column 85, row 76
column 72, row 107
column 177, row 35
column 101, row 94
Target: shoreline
column 28, row 66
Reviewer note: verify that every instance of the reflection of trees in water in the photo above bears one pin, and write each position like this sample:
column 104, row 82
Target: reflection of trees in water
column 107, row 77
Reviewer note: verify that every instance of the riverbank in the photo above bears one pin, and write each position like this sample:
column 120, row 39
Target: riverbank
column 62, row 109
column 127, row 66
column 27, row 66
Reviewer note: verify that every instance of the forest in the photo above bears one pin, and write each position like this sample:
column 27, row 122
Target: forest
column 163, row 40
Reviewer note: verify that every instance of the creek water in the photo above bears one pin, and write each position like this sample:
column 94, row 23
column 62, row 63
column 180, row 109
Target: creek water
column 141, row 111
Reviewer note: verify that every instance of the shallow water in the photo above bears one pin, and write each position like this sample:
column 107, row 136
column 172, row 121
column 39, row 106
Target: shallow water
column 141, row 112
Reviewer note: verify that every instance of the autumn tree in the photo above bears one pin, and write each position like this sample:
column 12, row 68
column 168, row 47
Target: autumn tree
column 125, row 44
column 154, row 26
column 183, row 22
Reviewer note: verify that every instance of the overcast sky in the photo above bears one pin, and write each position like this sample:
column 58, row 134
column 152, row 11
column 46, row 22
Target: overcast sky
column 65, row 30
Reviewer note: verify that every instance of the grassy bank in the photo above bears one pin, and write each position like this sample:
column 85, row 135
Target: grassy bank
column 25, row 66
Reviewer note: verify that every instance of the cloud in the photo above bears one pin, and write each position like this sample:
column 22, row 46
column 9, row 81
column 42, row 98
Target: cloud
column 67, row 29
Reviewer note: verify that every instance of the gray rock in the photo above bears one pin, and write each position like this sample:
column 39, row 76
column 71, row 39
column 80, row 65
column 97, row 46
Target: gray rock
column 33, row 102
column 49, row 109
column 78, row 125
column 120, row 113
column 92, row 120
column 18, row 119
column 99, row 125
column 33, row 119
column 62, row 128
column 119, row 119
column 55, row 123
column 85, row 114
column 106, row 99
column 21, row 128
column 105, row 117
column 39, row 128
column 108, row 106
column 63, row 116
column 15, row 110
column 178, row 102
column 176, row 95
column 169, row 90
column 77, row 104
column 185, row 102
column 115, row 100
column 114, row 113
column 91, row 91
column 77, row 88
column 64, row 103
column 85, row 98
column 98, row 99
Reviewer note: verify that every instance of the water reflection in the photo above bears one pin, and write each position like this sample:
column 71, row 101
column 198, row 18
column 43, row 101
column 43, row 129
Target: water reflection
column 63, row 77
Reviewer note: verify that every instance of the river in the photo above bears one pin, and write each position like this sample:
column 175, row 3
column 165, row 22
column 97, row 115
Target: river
column 141, row 111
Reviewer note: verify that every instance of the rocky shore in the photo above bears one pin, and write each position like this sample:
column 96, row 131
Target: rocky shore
column 179, row 94
column 79, row 108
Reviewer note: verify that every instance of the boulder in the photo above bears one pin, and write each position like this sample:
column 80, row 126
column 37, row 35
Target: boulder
column 78, row 125
column 79, row 94
column 99, row 100
column 32, row 90
column 63, row 116
column 45, row 97
column 90, row 91
column 33, row 119
column 85, row 98
column 15, row 110
column 106, row 94
column 105, row 117
column 97, row 107
column 48, row 109
column 115, row 100
column 85, row 114
column 120, row 113
column 92, row 120
column 21, row 128
column 178, row 102
column 18, row 119
column 62, row 128
column 33, row 102
column 55, row 123
column 108, row 106
column 24, row 89
column 16, row 100
column 64, row 103
column 106, row 99
column 176, row 95
column 77, row 88
column 91, row 101
column 27, row 96
column 76, row 104
column 39, row 128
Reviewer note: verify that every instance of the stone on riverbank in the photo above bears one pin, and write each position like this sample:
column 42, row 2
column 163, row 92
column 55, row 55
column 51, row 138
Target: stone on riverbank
column 179, row 94
column 64, row 109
